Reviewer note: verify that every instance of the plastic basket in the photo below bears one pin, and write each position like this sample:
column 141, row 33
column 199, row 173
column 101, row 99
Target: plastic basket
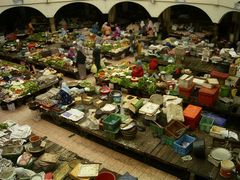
column 218, row 120
column 184, row 144
column 111, row 135
column 168, row 140
column 157, row 130
column 175, row 129
column 225, row 91
column 206, row 123
column 111, row 122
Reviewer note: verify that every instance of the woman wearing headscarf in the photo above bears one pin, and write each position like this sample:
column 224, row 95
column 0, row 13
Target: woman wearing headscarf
column 65, row 97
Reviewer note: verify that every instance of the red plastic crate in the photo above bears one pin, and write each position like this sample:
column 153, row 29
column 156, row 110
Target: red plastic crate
column 208, row 97
column 219, row 75
column 192, row 115
column 185, row 92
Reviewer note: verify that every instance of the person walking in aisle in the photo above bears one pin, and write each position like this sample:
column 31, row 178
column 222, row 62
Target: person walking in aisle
column 97, row 56
column 81, row 60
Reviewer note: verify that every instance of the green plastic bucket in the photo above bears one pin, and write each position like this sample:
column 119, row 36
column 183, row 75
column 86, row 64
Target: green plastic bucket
column 225, row 91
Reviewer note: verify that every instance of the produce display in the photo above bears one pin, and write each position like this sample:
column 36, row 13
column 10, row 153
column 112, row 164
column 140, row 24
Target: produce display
column 122, row 76
column 36, row 49
column 16, row 81
column 115, row 47
column 57, row 61
column 11, row 69
column 39, row 37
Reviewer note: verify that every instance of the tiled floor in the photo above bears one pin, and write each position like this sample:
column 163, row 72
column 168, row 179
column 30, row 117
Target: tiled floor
column 85, row 148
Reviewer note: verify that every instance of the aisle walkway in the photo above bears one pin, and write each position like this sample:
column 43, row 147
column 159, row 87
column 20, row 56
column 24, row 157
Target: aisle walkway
column 85, row 148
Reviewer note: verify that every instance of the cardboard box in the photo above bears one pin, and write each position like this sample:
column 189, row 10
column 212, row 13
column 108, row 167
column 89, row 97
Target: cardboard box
column 135, row 105
column 199, row 81
column 98, row 103
column 87, row 100
column 174, row 112
column 207, row 85
column 213, row 81
column 74, row 173
column 186, row 81
column 149, row 109
column 168, row 99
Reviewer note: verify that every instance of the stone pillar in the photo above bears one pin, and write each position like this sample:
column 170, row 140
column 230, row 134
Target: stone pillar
column 167, row 19
column 112, row 14
column 236, row 30
column 215, row 30
column 52, row 24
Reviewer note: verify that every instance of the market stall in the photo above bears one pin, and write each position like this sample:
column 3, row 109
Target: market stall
column 118, row 130
column 35, row 157
column 59, row 50
column 133, row 123
column 18, row 83
column 199, row 56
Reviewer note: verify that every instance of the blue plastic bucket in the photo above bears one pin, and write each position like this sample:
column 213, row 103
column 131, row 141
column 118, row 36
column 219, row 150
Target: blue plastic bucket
column 116, row 96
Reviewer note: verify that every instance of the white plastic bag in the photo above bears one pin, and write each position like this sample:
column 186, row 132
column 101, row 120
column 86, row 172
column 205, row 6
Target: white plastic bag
column 94, row 69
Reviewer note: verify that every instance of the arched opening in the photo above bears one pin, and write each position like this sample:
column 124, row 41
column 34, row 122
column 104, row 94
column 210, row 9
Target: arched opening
column 16, row 19
column 78, row 15
column 126, row 12
column 229, row 26
column 184, row 18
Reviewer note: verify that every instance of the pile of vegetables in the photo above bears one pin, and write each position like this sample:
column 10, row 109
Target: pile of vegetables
column 30, row 87
column 39, row 37
column 147, row 85
column 89, row 44
column 114, row 46
column 8, row 68
column 169, row 69
column 58, row 63
column 3, row 126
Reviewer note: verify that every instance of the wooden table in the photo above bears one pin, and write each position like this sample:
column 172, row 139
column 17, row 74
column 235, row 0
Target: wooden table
column 148, row 149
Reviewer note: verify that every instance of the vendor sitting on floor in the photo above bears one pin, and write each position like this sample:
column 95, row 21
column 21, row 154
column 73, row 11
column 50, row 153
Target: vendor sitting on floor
column 65, row 97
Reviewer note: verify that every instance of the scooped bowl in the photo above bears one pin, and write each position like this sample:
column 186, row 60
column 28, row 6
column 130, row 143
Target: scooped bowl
column 106, row 175
column 35, row 140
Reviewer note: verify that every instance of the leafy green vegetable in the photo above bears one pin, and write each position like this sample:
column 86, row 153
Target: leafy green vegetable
column 30, row 87
column 125, row 82
column 3, row 126
column 40, row 37
column 115, row 80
